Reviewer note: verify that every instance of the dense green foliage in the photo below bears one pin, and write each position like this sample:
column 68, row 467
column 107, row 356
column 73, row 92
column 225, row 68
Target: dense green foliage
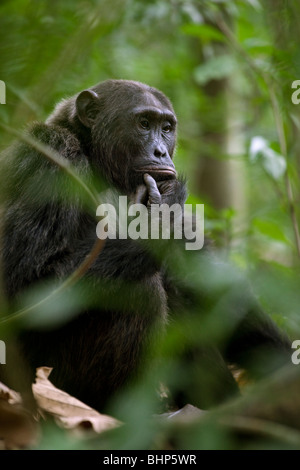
column 228, row 67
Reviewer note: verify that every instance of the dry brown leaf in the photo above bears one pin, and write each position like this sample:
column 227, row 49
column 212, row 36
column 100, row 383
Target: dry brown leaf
column 68, row 411
column 9, row 395
column 18, row 429
column 240, row 376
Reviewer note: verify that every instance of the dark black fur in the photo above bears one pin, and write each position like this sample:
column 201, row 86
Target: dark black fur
column 47, row 235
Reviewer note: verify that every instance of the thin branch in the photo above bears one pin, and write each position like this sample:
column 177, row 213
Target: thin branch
column 65, row 166
column 259, row 426
column 71, row 280
column 283, row 150
column 278, row 121
column 54, row 157
column 232, row 41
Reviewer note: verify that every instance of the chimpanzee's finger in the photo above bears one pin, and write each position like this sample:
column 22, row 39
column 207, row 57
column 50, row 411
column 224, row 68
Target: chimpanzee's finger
column 141, row 195
column 167, row 187
column 153, row 192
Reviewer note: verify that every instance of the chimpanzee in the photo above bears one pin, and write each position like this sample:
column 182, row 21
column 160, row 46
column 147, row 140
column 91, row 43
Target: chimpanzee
column 125, row 133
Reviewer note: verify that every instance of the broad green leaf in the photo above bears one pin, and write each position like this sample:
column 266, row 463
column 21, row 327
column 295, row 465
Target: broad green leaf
column 258, row 46
column 273, row 163
column 204, row 32
column 272, row 230
column 216, row 68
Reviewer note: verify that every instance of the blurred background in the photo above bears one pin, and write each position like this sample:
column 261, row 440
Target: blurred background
column 228, row 68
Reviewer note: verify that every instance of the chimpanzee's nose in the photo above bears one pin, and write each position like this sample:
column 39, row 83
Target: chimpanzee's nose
column 160, row 151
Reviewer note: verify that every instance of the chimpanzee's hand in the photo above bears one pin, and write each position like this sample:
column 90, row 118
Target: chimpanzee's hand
column 147, row 193
column 140, row 196
column 164, row 192
column 172, row 191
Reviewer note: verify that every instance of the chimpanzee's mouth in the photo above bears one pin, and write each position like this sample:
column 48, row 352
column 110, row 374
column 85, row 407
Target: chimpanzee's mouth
column 159, row 173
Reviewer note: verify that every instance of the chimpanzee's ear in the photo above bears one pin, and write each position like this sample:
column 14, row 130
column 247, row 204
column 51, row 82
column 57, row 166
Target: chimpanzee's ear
column 87, row 107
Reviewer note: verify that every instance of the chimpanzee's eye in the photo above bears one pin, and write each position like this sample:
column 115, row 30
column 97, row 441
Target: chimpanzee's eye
column 144, row 123
column 167, row 127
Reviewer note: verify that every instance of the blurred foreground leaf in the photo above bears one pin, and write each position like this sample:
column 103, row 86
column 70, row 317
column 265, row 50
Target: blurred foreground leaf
column 67, row 410
column 18, row 429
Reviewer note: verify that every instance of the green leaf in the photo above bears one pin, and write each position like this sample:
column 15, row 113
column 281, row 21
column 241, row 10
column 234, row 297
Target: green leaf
column 216, row 68
column 258, row 46
column 273, row 163
column 47, row 308
column 204, row 32
column 270, row 229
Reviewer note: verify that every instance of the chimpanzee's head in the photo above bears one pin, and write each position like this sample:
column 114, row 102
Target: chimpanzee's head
column 126, row 128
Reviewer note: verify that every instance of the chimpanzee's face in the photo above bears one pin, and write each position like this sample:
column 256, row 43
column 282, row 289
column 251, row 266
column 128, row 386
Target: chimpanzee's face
column 133, row 129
